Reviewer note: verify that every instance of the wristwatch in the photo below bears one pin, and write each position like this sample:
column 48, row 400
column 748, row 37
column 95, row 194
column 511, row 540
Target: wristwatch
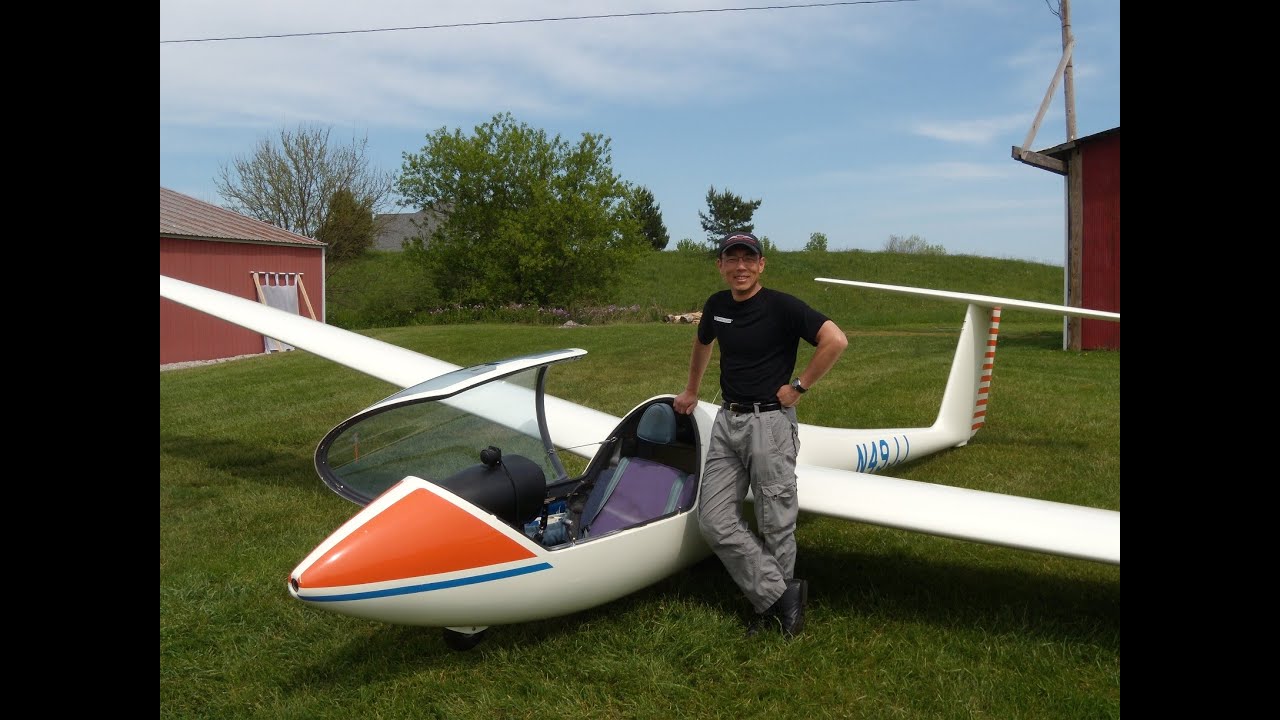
column 795, row 385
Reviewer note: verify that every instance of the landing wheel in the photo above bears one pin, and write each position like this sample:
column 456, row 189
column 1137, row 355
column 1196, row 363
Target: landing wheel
column 462, row 641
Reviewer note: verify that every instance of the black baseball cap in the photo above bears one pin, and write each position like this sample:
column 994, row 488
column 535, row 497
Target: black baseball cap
column 746, row 240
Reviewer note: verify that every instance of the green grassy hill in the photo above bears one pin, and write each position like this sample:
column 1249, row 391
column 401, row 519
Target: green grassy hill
column 384, row 290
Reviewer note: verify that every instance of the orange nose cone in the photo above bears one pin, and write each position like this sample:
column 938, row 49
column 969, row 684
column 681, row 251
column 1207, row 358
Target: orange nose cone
column 420, row 534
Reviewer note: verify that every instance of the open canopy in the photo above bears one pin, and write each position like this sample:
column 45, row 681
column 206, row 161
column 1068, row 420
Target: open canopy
column 440, row 427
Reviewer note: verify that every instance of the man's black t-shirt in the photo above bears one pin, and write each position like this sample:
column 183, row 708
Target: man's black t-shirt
column 759, row 339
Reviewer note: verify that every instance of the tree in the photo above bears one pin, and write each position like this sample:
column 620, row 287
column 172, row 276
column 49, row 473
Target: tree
column 525, row 218
column 726, row 213
column 349, row 228
column 645, row 210
column 817, row 242
column 914, row 245
column 691, row 246
column 290, row 183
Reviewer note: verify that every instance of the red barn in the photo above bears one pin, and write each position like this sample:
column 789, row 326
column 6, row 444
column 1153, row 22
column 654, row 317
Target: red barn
column 1092, row 167
column 224, row 250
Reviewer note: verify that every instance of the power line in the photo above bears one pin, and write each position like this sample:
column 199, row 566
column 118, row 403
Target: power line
column 534, row 20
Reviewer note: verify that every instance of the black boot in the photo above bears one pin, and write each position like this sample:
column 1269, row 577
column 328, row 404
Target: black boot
column 786, row 613
column 790, row 607
column 763, row 622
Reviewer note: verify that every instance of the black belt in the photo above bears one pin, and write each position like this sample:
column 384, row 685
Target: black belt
column 752, row 407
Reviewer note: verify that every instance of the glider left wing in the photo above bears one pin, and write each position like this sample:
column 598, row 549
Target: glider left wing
column 575, row 426
column 392, row 363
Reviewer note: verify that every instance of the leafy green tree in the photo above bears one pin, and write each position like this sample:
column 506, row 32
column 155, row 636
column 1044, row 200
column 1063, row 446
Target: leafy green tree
column 290, row 183
column 646, row 211
column 349, row 228
column 726, row 213
column 817, row 242
column 526, row 218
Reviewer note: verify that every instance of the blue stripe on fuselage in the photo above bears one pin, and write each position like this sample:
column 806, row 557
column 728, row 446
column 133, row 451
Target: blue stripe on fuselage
column 428, row 587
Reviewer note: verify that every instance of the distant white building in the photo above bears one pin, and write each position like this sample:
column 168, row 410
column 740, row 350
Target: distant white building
column 395, row 228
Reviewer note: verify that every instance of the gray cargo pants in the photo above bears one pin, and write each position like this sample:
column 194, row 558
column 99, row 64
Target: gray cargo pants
column 756, row 451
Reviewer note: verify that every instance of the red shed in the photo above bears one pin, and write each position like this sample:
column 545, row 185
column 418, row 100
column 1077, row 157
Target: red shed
column 1092, row 167
column 224, row 250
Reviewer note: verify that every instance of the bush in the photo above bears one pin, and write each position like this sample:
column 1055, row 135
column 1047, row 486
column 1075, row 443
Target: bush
column 914, row 245
column 379, row 289
column 534, row 315
column 817, row 242
column 689, row 246
column 709, row 247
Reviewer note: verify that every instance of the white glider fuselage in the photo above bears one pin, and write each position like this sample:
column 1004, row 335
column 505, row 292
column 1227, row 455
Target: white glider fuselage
column 488, row 572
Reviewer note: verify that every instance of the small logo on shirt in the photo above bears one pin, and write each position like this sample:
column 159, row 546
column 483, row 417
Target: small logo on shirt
column 723, row 319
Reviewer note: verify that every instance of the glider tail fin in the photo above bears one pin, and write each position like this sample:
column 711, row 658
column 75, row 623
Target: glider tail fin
column 964, row 401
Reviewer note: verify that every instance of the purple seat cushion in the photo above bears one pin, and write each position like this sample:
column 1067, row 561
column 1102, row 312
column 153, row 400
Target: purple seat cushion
column 643, row 491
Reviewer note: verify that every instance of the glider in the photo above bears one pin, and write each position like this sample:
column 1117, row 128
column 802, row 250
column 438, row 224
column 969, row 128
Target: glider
column 477, row 487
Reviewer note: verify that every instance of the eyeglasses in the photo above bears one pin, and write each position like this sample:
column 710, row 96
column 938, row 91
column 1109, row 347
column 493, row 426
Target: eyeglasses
column 748, row 260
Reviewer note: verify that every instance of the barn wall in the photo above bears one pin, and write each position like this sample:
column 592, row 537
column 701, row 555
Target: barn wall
column 187, row 334
column 1100, row 269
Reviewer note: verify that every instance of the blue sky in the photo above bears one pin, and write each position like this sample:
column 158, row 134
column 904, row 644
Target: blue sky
column 859, row 121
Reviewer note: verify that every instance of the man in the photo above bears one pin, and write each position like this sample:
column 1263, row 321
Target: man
column 754, row 440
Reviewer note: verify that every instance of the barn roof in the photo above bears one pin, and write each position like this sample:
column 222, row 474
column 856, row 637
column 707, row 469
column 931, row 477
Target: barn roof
column 1063, row 151
column 184, row 216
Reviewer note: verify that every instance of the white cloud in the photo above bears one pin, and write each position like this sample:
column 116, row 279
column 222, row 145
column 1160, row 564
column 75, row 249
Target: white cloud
column 982, row 131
